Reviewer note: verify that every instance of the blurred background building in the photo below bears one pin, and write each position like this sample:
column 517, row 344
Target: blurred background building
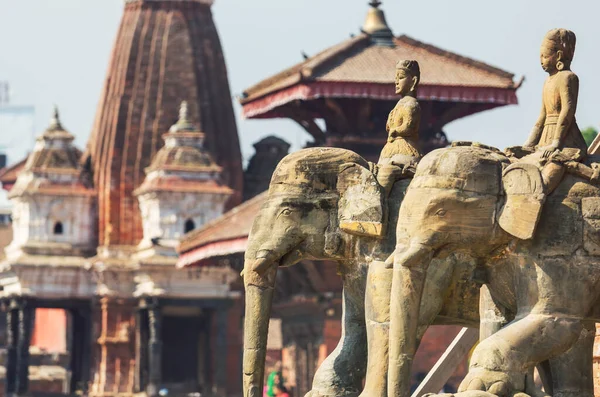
column 97, row 299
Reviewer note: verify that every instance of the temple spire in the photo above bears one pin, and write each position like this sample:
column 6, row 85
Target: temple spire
column 55, row 121
column 376, row 26
column 183, row 124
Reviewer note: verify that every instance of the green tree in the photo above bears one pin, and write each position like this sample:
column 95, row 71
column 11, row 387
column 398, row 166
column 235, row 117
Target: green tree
column 589, row 134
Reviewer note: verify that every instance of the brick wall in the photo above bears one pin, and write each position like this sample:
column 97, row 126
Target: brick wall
column 114, row 352
column 597, row 362
column 40, row 385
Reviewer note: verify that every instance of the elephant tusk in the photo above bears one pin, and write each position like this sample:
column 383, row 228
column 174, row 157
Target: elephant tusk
column 262, row 265
column 389, row 262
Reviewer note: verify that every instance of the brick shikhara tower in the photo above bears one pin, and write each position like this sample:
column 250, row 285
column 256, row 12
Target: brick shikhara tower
column 166, row 51
column 102, row 247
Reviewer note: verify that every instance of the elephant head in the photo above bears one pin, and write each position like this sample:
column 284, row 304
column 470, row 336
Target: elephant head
column 452, row 204
column 316, row 197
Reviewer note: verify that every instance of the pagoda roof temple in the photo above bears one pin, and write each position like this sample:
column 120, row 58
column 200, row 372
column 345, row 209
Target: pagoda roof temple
column 359, row 68
column 363, row 68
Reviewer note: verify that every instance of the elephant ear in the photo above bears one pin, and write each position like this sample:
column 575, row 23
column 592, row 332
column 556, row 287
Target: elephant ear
column 361, row 206
column 525, row 198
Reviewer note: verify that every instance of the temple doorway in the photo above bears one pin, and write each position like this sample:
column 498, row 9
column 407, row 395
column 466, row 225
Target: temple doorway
column 185, row 350
column 173, row 354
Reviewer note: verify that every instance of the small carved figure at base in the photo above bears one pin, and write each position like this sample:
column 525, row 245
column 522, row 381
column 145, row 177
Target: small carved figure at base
column 401, row 152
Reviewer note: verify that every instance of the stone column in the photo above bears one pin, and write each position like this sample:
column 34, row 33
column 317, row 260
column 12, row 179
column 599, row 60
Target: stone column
column 12, row 330
column 25, row 319
column 154, row 347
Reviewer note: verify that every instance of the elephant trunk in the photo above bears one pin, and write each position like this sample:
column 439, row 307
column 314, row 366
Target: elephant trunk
column 410, row 269
column 259, row 299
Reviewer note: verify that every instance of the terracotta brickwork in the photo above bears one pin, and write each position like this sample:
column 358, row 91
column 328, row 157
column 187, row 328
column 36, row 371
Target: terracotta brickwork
column 114, row 350
column 40, row 385
column 597, row 362
column 165, row 52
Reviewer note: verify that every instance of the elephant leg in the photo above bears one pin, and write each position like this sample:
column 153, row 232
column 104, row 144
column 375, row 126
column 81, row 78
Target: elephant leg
column 555, row 295
column 499, row 363
column 377, row 316
column 572, row 373
column 491, row 315
column 407, row 289
column 342, row 372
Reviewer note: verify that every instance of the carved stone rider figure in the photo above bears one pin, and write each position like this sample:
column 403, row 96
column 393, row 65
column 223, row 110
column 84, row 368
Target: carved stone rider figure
column 555, row 141
column 401, row 152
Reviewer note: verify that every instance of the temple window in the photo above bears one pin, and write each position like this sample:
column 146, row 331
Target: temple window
column 58, row 228
column 189, row 225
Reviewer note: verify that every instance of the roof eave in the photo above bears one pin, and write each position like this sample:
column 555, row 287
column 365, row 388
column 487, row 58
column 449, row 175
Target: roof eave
column 267, row 106
column 301, row 72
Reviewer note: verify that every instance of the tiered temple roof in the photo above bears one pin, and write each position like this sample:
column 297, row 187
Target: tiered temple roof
column 183, row 164
column 358, row 68
column 53, row 165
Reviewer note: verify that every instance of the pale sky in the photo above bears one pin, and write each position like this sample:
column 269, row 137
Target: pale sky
column 56, row 51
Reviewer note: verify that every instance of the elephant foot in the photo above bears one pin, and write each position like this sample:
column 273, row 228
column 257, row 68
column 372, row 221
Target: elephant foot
column 494, row 383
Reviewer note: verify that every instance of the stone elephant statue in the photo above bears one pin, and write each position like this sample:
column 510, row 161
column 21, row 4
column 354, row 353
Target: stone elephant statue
column 458, row 202
column 325, row 203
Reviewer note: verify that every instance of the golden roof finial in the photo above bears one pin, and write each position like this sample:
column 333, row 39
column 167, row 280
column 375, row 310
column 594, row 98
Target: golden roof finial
column 377, row 27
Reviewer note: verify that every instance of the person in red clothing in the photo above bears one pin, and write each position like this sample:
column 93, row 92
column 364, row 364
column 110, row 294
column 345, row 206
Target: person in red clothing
column 281, row 391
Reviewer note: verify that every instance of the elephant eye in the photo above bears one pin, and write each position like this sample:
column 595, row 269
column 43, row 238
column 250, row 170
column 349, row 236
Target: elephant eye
column 286, row 212
column 441, row 212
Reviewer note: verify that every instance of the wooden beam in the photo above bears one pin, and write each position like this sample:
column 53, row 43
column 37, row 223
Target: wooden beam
column 307, row 122
column 25, row 313
column 339, row 117
column 12, row 333
column 154, row 348
column 446, row 365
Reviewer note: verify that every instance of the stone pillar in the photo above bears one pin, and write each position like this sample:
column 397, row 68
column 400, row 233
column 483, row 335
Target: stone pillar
column 25, row 326
column 154, row 347
column 12, row 330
